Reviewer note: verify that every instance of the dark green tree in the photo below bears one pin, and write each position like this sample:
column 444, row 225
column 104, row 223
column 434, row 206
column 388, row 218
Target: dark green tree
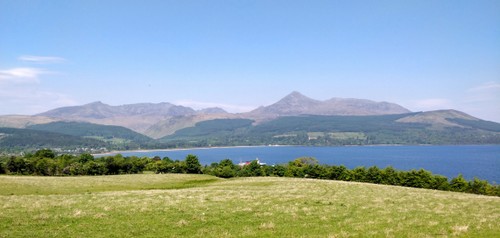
column 2, row 168
column 86, row 157
column 253, row 169
column 374, row 175
column 193, row 165
column 278, row 170
column 45, row 153
column 44, row 167
column 459, row 184
column 94, row 168
column 338, row 173
column 226, row 172
column 478, row 186
column 17, row 165
column 358, row 174
column 304, row 161
column 440, row 183
column 390, row 176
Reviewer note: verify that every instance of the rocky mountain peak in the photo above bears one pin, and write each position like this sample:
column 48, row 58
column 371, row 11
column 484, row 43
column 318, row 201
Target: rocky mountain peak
column 296, row 99
column 296, row 103
column 212, row 110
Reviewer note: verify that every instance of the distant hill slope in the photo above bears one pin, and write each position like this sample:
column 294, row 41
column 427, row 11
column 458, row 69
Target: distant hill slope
column 22, row 121
column 99, row 110
column 84, row 129
column 170, row 125
column 296, row 104
column 139, row 117
column 25, row 139
column 438, row 127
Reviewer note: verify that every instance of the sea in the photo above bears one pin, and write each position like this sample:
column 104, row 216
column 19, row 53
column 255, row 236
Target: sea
column 481, row 161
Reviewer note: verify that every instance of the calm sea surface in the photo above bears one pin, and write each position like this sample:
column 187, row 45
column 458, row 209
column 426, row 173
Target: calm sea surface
column 482, row 161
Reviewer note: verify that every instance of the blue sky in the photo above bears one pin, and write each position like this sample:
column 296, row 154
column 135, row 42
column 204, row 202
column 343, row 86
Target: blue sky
column 422, row 54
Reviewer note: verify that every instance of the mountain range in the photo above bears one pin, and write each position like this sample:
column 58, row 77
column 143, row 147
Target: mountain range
column 296, row 104
column 295, row 119
column 163, row 119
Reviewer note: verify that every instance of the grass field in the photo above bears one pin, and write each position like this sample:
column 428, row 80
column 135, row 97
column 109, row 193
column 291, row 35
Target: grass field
column 176, row 205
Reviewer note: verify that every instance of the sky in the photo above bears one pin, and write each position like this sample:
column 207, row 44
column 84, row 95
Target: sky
column 239, row 55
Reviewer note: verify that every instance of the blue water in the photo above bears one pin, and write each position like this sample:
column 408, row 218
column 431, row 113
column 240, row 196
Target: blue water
column 482, row 161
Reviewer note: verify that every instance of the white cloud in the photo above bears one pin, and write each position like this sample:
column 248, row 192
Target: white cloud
column 489, row 91
column 483, row 101
column 21, row 75
column 488, row 86
column 201, row 105
column 17, row 99
column 21, row 92
column 42, row 59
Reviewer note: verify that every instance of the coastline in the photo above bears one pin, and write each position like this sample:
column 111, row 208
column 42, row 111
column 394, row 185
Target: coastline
column 182, row 149
column 115, row 152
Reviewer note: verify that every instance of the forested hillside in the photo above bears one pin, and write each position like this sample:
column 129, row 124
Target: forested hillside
column 335, row 130
column 90, row 130
column 14, row 140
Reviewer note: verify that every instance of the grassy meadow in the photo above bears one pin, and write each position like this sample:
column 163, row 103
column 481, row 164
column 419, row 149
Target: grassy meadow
column 180, row 205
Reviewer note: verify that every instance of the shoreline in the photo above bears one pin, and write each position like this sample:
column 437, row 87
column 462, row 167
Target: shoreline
column 115, row 152
column 192, row 148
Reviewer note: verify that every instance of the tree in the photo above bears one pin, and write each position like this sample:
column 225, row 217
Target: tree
column 44, row 167
column 252, row 169
column 390, row 176
column 315, row 171
column 441, row 183
column 94, row 168
column 339, row 173
column 226, row 172
column 16, row 165
column 226, row 162
column 305, row 161
column 358, row 174
column 45, row 153
column 2, row 168
column 373, row 175
column 84, row 158
column 459, row 184
column 478, row 186
column 113, row 164
column 417, row 179
column 193, row 165
column 278, row 170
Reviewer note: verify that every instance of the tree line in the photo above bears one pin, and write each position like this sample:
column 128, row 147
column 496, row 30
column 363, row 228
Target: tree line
column 307, row 167
column 46, row 163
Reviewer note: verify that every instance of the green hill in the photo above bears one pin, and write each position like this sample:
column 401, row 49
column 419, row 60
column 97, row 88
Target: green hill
column 12, row 139
column 72, row 136
column 214, row 128
column 410, row 128
column 114, row 134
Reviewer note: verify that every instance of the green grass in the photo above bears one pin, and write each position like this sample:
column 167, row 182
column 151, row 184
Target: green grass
column 202, row 206
column 28, row 185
